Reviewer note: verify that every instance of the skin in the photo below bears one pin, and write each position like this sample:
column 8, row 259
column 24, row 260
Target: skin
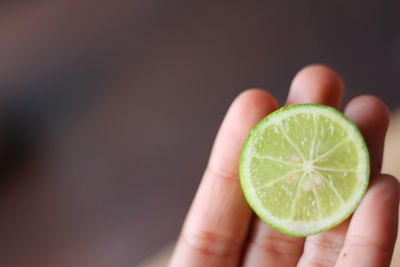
column 220, row 228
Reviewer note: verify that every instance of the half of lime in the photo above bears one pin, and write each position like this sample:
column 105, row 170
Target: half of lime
column 304, row 169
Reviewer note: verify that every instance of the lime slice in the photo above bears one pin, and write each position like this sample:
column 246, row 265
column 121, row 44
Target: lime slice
column 304, row 169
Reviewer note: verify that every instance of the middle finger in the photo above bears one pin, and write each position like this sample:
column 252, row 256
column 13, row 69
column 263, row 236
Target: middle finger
column 267, row 247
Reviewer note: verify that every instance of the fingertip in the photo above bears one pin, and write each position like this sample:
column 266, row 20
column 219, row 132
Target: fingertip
column 247, row 110
column 316, row 84
column 369, row 112
column 256, row 98
column 371, row 116
column 249, row 107
column 387, row 186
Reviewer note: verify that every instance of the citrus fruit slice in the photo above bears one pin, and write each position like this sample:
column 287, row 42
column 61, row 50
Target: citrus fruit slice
column 304, row 169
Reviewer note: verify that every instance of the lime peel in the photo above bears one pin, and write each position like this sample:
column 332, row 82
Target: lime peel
column 304, row 169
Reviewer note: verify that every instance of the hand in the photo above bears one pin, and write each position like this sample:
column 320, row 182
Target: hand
column 221, row 230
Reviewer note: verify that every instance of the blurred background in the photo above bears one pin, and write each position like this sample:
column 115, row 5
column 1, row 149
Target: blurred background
column 108, row 109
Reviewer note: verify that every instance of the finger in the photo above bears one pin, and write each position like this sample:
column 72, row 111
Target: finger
column 372, row 118
column 267, row 247
column 322, row 250
column 217, row 223
column 373, row 230
column 316, row 84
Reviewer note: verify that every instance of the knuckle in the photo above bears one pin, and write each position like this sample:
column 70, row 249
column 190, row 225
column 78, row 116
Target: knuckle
column 222, row 173
column 322, row 252
column 211, row 244
column 357, row 242
column 274, row 242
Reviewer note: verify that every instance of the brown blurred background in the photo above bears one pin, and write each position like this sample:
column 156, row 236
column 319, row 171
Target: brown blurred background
column 108, row 108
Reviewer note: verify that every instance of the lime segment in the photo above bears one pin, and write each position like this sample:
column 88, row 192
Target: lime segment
column 304, row 169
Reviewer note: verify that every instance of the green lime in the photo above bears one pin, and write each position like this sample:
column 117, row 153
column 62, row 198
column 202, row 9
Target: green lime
column 304, row 169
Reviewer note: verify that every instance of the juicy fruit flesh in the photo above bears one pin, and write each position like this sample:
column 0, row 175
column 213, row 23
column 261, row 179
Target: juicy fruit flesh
column 305, row 169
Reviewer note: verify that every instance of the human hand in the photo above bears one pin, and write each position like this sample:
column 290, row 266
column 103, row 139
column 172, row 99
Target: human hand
column 222, row 231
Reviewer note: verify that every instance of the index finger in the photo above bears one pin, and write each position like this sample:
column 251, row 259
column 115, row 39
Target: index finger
column 216, row 227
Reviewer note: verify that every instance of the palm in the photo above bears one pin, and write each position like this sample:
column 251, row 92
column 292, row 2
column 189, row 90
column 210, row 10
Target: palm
column 221, row 230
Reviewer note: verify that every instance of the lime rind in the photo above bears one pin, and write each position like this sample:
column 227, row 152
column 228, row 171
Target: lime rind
column 299, row 228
